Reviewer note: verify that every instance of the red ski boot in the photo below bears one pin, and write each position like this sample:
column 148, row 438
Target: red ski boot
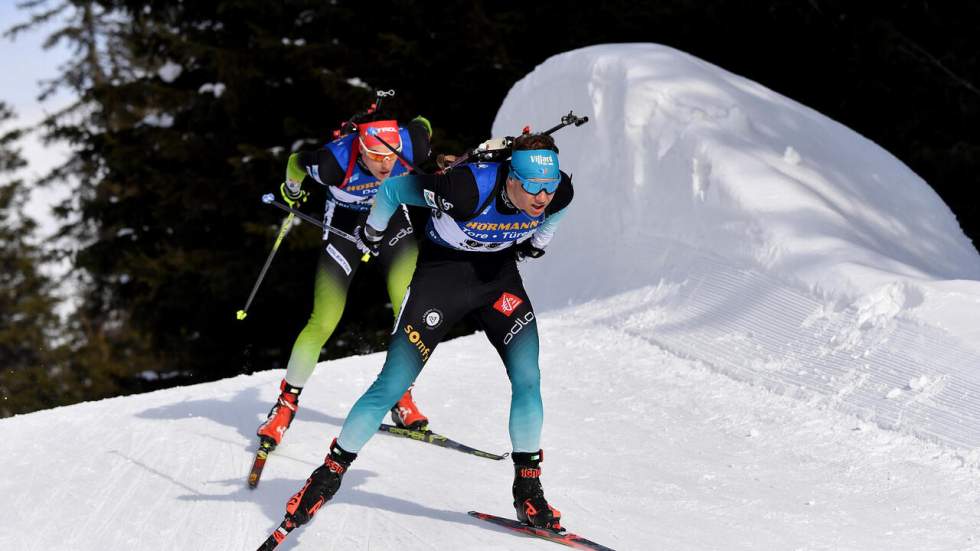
column 281, row 414
column 321, row 486
column 532, row 508
column 406, row 414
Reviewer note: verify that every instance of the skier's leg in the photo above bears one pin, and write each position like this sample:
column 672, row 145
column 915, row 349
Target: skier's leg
column 509, row 322
column 512, row 328
column 335, row 269
column 428, row 313
column 399, row 253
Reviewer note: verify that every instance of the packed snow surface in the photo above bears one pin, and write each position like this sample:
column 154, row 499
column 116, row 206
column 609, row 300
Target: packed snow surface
column 755, row 334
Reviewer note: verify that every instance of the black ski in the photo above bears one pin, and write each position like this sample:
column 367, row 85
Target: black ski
column 266, row 446
column 438, row 440
column 274, row 539
column 563, row 537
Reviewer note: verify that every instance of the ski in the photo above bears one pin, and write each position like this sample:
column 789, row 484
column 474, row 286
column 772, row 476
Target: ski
column 274, row 539
column 266, row 446
column 438, row 440
column 563, row 537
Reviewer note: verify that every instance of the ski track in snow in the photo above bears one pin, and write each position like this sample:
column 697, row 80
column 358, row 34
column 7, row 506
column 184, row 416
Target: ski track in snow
column 644, row 450
column 865, row 358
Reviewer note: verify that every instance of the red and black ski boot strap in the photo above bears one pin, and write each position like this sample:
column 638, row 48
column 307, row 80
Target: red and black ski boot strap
column 321, row 486
column 529, row 502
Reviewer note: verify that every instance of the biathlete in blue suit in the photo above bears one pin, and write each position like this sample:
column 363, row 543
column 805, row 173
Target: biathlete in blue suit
column 485, row 217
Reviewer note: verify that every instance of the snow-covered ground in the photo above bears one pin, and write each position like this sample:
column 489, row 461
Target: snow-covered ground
column 744, row 296
column 755, row 234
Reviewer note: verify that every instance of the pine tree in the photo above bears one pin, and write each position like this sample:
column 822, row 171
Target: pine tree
column 28, row 324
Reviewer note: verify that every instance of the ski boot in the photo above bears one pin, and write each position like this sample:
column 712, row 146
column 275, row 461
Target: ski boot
column 532, row 508
column 280, row 416
column 321, row 486
column 406, row 414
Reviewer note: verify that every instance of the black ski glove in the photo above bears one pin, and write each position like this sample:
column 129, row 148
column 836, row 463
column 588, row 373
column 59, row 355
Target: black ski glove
column 368, row 239
column 527, row 250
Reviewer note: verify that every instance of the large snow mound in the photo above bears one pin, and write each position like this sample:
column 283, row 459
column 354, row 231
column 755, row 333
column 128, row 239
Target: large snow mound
column 645, row 449
column 757, row 235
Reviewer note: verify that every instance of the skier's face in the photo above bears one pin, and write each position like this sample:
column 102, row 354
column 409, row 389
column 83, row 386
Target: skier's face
column 380, row 166
column 533, row 205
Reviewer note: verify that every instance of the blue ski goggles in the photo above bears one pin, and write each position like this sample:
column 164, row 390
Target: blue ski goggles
column 536, row 170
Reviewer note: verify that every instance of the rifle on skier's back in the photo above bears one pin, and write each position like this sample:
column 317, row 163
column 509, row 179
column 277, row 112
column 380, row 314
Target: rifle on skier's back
column 499, row 149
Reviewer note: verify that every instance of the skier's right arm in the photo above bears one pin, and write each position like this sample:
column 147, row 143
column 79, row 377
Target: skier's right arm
column 320, row 165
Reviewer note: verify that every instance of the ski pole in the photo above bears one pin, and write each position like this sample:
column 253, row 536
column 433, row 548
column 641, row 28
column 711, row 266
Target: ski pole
column 270, row 199
column 287, row 223
column 400, row 155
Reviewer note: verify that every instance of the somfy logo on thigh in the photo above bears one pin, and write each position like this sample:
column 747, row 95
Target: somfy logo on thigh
column 415, row 338
column 519, row 324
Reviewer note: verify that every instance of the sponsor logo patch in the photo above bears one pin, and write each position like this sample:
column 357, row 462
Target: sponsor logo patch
column 398, row 236
column 507, row 303
column 375, row 130
column 339, row 258
column 430, row 198
column 432, row 318
column 503, row 226
column 519, row 323
column 362, row 187
column 415, row 338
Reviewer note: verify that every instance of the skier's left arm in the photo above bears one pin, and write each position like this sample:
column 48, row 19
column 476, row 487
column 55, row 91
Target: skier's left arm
column 454, row 193
column 394, row 191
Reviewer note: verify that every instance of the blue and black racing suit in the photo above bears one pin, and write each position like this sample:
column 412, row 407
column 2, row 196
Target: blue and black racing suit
column 466, row 266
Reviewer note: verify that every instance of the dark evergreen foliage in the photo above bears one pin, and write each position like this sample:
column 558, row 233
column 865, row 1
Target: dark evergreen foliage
column 188, row 110
column 29, row 374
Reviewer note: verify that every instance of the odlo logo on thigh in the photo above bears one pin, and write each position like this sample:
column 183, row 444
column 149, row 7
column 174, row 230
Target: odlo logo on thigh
column 519, row 324
column 415, row 338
